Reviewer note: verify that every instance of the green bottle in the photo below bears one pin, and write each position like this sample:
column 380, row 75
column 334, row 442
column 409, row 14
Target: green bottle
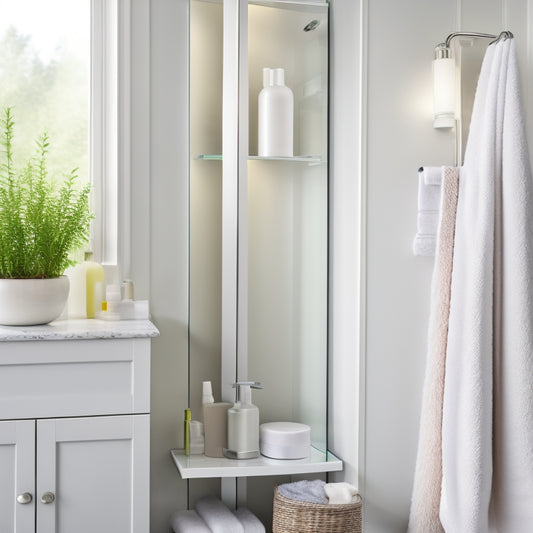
column 187, row 432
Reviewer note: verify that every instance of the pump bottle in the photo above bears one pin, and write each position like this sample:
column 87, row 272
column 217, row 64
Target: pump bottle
column 243, row 423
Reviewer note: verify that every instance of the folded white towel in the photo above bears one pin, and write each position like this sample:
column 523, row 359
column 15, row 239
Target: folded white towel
column 304, row 491
column 188, row 522
column 428, row 195
column 249, row 521
column 341, row 493
column 432, row 175
column 217, row 516
column 427, row 221
column 425, row 245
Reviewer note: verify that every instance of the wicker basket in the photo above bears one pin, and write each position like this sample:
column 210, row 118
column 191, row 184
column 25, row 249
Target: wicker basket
column 293, row 516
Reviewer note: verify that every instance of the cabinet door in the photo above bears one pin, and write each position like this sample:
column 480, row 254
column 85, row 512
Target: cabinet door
column 17, row 476
column 96, row 471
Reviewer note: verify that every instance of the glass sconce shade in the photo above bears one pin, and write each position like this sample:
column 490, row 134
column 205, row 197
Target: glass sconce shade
column 444, row 92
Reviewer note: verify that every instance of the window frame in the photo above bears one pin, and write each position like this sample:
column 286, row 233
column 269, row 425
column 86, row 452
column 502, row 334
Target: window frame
column 110, row 137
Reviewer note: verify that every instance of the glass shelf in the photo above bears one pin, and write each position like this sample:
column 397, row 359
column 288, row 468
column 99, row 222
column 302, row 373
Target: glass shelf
column 284, row 4
column 311, row 159
column 200, row 466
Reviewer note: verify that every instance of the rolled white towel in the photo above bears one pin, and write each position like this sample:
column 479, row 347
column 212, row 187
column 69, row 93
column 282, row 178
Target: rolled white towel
column 304, row 491
column 341, row 493
column 249, row 521
column 217, row 516
column 188, row 522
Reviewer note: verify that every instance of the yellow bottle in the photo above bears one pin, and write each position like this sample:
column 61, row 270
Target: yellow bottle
column 86, row 288
column 94, row 279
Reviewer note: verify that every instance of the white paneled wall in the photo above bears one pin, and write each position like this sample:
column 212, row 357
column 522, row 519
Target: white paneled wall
column 385, row 115
column 381, row 132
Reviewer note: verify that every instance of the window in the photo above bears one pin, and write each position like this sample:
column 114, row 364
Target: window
column 59, row 70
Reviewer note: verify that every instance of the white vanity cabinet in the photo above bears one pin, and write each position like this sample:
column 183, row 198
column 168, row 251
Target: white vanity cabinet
column 75, row 428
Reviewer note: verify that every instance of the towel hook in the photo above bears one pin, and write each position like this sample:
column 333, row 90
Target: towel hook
column 503, row 35
column 506, row 34
column 453, row 35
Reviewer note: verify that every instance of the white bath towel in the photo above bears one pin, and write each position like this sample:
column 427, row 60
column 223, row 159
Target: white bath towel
column 217, row 516
column 341, row 493
column 425, row 503
column 249, row 521
column 491, row 319
column 188, row 522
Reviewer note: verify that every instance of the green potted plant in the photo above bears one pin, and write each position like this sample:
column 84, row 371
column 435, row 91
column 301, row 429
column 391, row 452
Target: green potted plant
column 41, row 223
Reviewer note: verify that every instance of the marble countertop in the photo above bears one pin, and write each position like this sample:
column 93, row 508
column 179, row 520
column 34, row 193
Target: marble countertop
column 80, row 329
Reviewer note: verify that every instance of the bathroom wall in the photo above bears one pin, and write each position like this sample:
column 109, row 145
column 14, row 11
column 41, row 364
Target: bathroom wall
column 167, row 249
column 388, row 119
column 381, row 133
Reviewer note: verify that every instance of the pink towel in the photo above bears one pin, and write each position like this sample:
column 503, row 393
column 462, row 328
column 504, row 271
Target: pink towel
column 424, row 517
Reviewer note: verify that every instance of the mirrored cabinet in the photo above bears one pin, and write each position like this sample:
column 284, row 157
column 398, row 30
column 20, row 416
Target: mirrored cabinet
column 259, row 217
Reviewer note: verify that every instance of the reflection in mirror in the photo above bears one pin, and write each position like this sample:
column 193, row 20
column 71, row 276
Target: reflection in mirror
column 287, row 215
column 287, row 206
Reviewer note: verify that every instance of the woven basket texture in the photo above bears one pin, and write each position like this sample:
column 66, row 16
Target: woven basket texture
column 293, row 516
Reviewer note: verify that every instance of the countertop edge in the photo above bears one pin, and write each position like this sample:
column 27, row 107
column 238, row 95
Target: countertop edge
column 82, row 329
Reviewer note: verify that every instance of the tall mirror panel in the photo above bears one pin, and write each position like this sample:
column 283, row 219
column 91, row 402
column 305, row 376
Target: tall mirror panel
column 286, row 213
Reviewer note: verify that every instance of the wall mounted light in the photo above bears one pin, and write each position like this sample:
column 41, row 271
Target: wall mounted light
column 443, row 87
column 445, row 110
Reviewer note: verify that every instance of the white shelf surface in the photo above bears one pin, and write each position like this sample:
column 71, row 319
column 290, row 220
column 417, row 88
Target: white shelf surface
column 200, row 466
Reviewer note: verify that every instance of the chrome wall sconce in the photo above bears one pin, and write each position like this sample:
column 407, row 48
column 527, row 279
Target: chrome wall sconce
column 445, row 109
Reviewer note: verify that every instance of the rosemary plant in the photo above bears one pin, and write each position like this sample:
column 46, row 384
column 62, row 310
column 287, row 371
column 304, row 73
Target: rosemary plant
column 41, row 222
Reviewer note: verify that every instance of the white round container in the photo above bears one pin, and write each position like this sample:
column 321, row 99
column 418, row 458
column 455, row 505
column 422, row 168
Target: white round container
column 285, row 440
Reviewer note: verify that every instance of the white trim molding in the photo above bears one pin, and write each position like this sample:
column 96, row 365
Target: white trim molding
column 111, row 125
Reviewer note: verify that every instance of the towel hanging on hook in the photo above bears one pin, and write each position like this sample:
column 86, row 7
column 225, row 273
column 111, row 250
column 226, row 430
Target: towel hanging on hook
column 448, row 113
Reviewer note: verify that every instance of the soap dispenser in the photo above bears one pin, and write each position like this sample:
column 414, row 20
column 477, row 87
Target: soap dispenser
column 243, row 423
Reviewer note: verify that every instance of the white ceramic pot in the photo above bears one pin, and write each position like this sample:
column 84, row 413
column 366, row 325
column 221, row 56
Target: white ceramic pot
column 28, row 302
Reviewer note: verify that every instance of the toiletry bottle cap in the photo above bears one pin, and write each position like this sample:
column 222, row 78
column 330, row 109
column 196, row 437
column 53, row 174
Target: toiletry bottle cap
column 127, row 289
column 207, row 392
column 268, row 77
column 279, row 76
column 112, row 293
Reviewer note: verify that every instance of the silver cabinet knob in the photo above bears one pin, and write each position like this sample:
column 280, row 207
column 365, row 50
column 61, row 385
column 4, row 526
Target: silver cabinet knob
column 48, row 497
column 24, row 498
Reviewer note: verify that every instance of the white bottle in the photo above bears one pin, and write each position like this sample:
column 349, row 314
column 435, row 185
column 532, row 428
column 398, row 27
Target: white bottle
column 207, row 392
column 243, row 424
column 276, row 116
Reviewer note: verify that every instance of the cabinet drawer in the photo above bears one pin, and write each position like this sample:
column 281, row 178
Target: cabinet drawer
column 41, row 379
